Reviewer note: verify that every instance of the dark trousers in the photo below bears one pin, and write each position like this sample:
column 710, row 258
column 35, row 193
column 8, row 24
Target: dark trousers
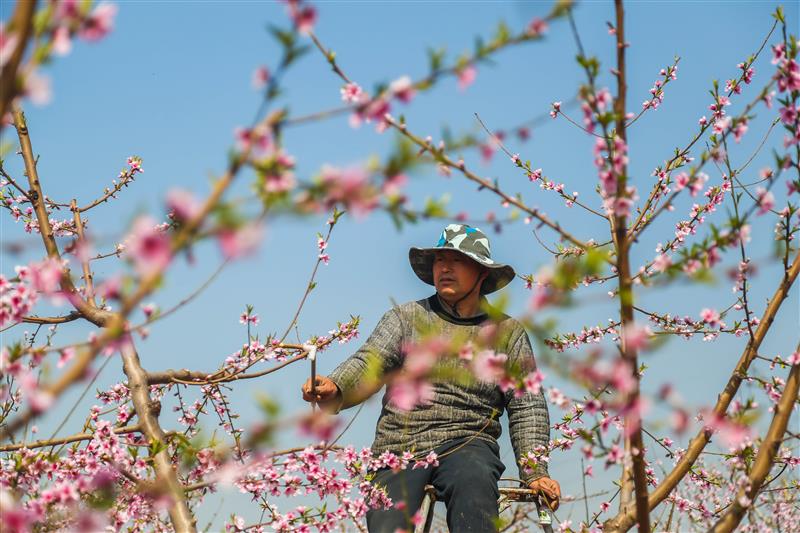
column 466, row 480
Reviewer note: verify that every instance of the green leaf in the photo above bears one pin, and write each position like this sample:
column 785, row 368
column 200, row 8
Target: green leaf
column 156, row 446
column 286, row 38
column 435, row 58
column 502, row 34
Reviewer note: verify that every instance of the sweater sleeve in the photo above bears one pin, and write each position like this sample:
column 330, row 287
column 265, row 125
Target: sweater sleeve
column 528, row 419
column 360, row 375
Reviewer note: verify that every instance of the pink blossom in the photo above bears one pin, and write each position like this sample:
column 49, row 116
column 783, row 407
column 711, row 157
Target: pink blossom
column 533, row 382
column 148, row 246
column 392, row 185
column 722, row 124
column 39, row 399
column 794, row 359
column 405, row 394
column 662, row 262
column 620, row 206
column 778, row 53
column 681, row 181
column 304, row 17
column 430, row 460
column 135, row 164
column 149, row 310
column 62, row 44
column 621, row 377
column 466, row 76
column 740, row 129
column 766, row 200
column 788, row 114
column 111, row 289
column 592, row 406
column 489, row 366
column 556, row 109
column 279, row 181
column 99, row 23
column 350, row 187
column 183, row 204
column 374, row 110
column 710, row 317
column 45, row 277
column 240, row 242
column 352, row 93
column 258, row 139
column 14, row 517
column 260, row 77
column 403, row 89
column 537, row 27
column 37, row 88
column 699, row 182
column 636, row 336
column 319, row 425
column 66, row 355
column 615, row 455
column 789, row 77
column 733, row 434
column 247, row 317
column 421, row 357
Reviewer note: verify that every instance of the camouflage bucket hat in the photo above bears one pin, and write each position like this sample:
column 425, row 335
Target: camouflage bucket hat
column 471, row 242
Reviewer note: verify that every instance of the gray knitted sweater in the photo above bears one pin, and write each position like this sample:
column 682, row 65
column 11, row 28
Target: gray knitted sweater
column 458, row 410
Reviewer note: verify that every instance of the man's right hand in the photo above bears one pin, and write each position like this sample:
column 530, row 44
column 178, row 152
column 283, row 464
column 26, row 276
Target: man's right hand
column 325, row 391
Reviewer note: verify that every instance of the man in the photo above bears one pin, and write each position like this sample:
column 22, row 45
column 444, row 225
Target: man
column 461, row 421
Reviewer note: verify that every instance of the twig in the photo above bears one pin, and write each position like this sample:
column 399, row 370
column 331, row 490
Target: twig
column 64, row 440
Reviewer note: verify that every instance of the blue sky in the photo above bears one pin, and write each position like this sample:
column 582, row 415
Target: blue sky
column 173, row 81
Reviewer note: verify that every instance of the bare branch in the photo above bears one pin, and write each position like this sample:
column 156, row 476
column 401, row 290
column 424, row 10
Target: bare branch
column 64, row 440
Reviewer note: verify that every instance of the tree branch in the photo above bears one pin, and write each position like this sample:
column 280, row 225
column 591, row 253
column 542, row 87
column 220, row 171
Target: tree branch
column 64, row 440
column 766, row 455
column 22, row 23
column 94, row 315
column 625, row 519
column 147, row 411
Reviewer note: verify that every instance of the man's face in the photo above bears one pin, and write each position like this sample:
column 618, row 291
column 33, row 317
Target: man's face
column 454, row 274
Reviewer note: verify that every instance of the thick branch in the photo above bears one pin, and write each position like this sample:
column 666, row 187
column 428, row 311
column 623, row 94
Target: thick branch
column 634, row 477
column 147, row 411
column 97, row 316
column 766, row 454
column 22, row 23
column 624, row 520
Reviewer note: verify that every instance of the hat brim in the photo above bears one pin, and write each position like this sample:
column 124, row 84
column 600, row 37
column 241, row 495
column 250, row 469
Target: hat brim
column 421, row 260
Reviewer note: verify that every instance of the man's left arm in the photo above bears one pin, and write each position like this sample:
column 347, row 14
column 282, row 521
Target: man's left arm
column 529, row 424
